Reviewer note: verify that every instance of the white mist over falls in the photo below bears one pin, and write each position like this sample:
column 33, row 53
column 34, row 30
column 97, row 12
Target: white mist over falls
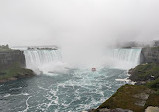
column 53, row 61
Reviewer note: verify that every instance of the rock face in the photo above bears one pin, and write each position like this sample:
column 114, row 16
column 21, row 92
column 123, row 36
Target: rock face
column 152, row 109
column 12, row 65
column 10, row 57
column 129, row 98
column 150, row 55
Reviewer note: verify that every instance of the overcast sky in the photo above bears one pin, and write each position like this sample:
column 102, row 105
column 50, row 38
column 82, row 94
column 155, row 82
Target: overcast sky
column 48, row 22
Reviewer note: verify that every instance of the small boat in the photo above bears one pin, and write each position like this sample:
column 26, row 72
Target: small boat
column 93, row 69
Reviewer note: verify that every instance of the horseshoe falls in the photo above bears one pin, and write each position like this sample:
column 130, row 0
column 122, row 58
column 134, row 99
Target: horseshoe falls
column 117, row 58
column 125, row 58
column 59, row 87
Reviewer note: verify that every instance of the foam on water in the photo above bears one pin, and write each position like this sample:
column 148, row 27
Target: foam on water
column 51, row 62
column 71, row 90
column 8, row 95
column 79, row 90
column 44, row 61
column 27, row 105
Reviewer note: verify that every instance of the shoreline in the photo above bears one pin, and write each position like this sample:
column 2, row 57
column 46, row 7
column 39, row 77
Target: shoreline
column 143, row 96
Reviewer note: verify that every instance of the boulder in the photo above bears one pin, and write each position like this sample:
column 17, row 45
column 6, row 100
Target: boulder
column 152, row 109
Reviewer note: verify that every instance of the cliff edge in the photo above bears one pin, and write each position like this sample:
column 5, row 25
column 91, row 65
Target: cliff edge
column 12, row 64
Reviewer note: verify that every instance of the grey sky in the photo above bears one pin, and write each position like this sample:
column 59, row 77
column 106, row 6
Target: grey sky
column 47, row 22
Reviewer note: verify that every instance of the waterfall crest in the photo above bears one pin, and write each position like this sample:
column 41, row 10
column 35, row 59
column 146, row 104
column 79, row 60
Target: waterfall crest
column 51, row 60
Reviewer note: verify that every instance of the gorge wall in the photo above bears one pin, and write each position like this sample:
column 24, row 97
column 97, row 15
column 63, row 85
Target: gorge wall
column 150, row 55
column 11, row 57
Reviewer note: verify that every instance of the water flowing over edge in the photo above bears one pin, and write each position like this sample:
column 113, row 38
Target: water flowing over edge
column 51, row 61
column 72, row 91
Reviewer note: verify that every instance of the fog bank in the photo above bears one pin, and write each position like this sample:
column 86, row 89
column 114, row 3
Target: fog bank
column 82, row 28
column 39, row 22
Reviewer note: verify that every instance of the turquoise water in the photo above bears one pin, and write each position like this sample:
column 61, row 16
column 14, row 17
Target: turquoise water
column 75, row 91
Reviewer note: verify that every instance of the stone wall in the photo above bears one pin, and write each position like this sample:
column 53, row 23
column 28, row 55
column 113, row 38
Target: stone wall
column 150, row 55
column 11, row 57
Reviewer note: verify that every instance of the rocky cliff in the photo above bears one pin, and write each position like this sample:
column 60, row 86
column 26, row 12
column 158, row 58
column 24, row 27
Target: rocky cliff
column 12, row 65
column 150, row 55
column 130, row 98
column 11, row 57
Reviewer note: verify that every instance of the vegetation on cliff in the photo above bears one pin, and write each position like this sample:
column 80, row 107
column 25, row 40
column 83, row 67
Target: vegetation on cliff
column 145, row 72
column 136, row 97
column 154, row 85
column 14, row 72
column 5, row 48
column 12, row 63
column 132, row 97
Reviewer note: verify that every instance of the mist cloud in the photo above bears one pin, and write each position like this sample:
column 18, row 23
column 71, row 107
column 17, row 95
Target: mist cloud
column 69, row 22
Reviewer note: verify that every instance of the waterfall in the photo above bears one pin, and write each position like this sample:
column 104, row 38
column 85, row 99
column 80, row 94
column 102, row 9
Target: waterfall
column 41, row 60
column 51, row 60
column 125, row 58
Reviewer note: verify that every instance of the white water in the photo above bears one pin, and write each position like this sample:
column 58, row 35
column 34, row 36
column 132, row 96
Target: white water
column 42, row 60
column 51, row 60
column 78, row 90
column 124, row 58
